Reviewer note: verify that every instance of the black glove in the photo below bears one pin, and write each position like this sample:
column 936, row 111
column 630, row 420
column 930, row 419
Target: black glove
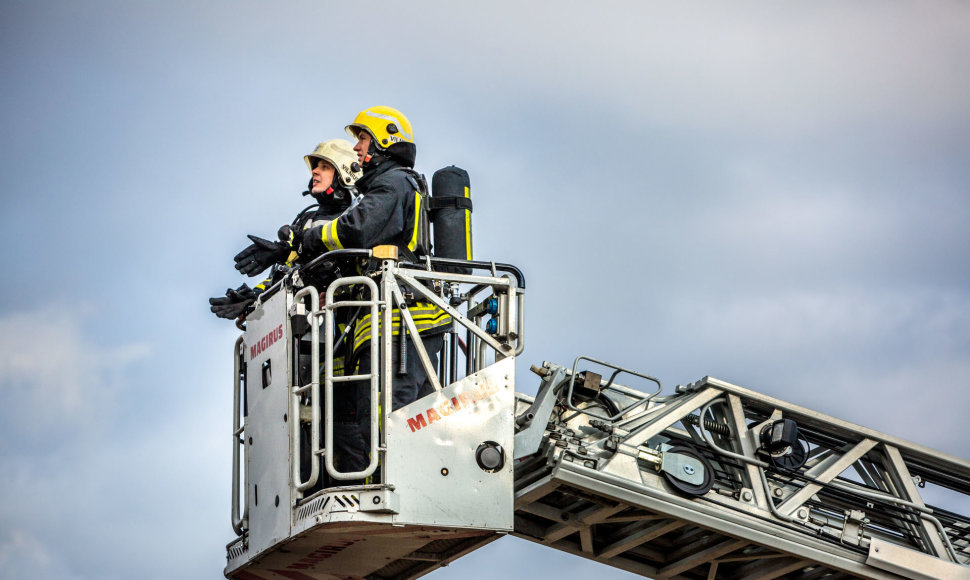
column 261, row 254
column 234, row 304
column 313, row 240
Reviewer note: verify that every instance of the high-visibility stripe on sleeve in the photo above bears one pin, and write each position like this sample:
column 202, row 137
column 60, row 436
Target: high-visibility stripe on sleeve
column 329, row 236
column 417, row 221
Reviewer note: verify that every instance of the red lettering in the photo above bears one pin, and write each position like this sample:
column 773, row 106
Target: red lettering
column 267, row 341
column 452, row 406
column 417, row 422
column 446, row 408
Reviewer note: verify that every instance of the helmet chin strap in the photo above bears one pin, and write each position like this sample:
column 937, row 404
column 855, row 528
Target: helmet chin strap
column 374, row 154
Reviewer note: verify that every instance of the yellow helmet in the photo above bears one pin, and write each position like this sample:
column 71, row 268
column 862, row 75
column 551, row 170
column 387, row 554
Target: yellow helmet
column 340, row 154
column 386, row 126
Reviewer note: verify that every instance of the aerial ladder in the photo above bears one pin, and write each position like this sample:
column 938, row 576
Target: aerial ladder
column 711, row 480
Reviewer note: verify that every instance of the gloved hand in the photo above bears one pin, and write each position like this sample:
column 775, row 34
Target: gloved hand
column 312, row 240
column 285, row 234
column 261, row 254
column 234, row 304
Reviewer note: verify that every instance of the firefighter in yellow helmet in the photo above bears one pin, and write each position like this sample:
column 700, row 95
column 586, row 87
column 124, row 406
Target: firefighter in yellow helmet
column 334, row 171
column 388, row 213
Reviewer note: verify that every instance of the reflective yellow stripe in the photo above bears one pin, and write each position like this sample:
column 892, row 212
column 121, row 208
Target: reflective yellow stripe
column 426, row 316
column 468, row 230
column 330, row 236
column 417, row 221
column 338, row 367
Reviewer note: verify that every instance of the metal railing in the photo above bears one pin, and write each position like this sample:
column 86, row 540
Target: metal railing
column 375, row 306
column 239, row 522
column 495, row 301
column 312, row 391
column 398, row 285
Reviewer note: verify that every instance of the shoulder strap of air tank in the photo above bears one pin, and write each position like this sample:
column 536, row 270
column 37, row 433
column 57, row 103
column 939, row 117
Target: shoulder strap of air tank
column 417, row 180
column 420, row 185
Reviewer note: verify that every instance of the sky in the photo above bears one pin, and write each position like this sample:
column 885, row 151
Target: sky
column 773, row 194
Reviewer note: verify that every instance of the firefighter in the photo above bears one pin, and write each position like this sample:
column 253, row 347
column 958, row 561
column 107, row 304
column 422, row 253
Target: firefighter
column 388, row 213
column 334, row 171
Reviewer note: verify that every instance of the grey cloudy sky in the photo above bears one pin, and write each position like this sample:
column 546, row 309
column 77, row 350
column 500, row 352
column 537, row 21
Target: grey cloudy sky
column 775, row 194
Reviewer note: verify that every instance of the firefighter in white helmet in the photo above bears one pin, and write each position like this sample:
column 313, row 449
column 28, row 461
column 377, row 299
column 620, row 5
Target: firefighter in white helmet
column 334, row 171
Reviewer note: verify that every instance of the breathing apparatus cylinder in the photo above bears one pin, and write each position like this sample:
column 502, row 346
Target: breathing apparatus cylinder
column 451, row 214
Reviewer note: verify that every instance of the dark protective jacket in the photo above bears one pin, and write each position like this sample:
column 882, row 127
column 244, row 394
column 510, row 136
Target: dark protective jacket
column 389, row 213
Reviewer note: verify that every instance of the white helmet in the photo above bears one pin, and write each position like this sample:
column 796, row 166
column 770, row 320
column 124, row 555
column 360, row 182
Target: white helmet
column 339, row 153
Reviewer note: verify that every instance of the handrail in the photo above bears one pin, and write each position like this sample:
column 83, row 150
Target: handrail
column 411, row 279
column 617, row 370
column 329, row 379
column 347, row 253
column 474, row 264
column 238, row 523
column 314, row 388
column 380, row 298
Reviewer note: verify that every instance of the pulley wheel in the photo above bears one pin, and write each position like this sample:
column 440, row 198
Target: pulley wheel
column 687, row 488
column 793, row 458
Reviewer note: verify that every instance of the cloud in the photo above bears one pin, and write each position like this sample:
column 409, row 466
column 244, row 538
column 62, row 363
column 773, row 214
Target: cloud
column 22, row 555
column 747, row 68
column 886, row 359
column 54, row 377
column 93, row 473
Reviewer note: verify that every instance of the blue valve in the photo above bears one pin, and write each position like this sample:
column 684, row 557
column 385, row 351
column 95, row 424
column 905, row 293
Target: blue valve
column 491, row 306
column 491, row 326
